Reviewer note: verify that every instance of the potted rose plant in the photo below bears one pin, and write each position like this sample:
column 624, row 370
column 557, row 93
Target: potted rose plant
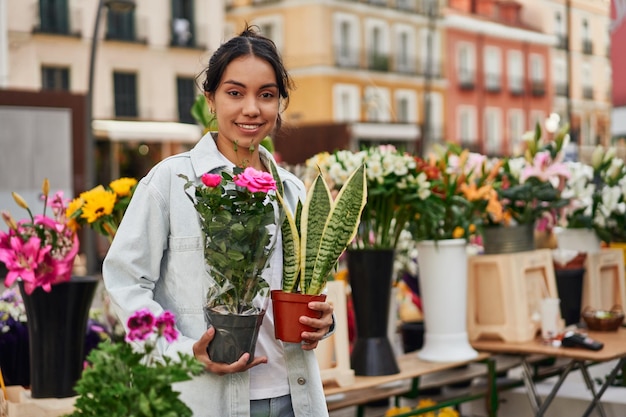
column 313, row 240
column 39, row 254
column 239, row 222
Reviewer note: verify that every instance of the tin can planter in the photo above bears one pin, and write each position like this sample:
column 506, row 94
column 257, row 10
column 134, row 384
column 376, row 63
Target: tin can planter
column 235, row 334
column 288, row 308
column 508, row 239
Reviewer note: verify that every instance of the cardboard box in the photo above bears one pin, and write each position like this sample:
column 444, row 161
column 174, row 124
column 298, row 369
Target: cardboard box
column 21, row 404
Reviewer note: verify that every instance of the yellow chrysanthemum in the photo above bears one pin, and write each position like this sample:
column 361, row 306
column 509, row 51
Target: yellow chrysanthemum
column 448, row 412
column 98, row 202
column 395, row 411
column 458, row 232
column 123, row 186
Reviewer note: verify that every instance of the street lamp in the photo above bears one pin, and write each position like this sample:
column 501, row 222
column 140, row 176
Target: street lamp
column 118, row 6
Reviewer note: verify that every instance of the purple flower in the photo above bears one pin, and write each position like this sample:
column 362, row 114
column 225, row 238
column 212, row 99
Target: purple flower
column 140, row 325
column 211, row 180
column 255, row 181
column 165, row 326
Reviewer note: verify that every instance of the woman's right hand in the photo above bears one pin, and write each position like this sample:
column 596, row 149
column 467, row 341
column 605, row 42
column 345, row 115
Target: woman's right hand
column 219, row 368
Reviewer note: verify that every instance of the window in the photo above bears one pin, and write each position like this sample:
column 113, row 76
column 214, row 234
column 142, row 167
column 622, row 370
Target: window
column 271, row 26
column 125, row 90
column 186, row 93
column 53, row 16
column 55, row 78
column 121, row 25
column 515, row 130
column 182, row 23
column 346, row 103
column 560, row 76
column 430, row 45
column 466, row 66
column 346, row 40
column 376, row 101
column 493, row 131
column 493, row 66
column 466, row 132
column 406, row 106
column 537, row 75
column 515, row 69
column 377, row 48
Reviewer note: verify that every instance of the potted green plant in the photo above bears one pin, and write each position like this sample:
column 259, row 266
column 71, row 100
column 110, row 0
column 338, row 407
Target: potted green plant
column 313, row 240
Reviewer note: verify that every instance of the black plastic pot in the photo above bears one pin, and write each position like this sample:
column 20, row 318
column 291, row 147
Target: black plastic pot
column 57, row 321
column 234, row 335
column 569, row 284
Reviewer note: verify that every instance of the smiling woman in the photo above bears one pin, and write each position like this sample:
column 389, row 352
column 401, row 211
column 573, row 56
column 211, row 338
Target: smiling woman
column 157, row 259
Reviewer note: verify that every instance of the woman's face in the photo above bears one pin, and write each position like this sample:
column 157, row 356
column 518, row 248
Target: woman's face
column 246, row 102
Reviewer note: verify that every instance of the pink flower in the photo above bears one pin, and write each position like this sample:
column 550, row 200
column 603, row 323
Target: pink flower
column 211, row 180
column 545, row 169
column 165, row 326
column 255, row 181
column 22, row 259
column 140, row 325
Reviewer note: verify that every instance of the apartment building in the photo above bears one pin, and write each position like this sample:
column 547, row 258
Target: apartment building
column 366, row 72
column 500, row 83
column 581, row 66
column 145, row 68
column 618, row 63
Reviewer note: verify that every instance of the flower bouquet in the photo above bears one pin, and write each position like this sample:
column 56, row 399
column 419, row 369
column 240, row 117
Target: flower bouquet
column 239, row 221
column 39, row 253
column 596, row 193
column 102, row 208
column 127, row 379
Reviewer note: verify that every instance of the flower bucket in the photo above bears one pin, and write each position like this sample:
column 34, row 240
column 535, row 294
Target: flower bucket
column 235, row 334
column 581, row 240
column 443, row 288
column 288, row 308
column 57, row 321
column 508, row 239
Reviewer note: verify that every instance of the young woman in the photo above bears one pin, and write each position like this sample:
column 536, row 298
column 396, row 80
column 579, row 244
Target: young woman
column 156, row 259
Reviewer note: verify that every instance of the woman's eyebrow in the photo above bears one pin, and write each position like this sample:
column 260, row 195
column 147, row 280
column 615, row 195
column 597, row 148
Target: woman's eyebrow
column 237, row 83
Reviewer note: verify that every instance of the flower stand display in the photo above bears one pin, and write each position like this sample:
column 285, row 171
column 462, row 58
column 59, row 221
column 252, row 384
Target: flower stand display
column 603, row 283
column 333, row 353
column 505, row 293
column 443, row 288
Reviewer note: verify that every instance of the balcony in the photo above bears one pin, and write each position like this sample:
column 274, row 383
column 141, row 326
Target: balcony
column 588, row 92
column 467, row 81
column 259, row 2
column 493, row 82
column 378, row 62
column 432, row 69
column 407, row 5
column 538, row 88
column 587, row 46
column 52, row 21
column 561, row 89
column 346, row 57
column 377, row 2
column 561, row 42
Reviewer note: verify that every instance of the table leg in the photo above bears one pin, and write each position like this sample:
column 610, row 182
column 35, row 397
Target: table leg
column 492, row 397
column 555, row 388
column 588, row 381
column 607, row 383
column 527, row 376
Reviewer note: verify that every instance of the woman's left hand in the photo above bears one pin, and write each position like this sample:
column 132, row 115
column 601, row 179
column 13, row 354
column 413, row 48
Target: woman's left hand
column 322, row 324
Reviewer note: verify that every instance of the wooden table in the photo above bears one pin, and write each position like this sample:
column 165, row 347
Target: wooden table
column 371, row 388
column 579, row 358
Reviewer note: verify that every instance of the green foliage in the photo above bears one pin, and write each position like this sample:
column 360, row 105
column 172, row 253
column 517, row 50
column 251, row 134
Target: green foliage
column 121, row 382
column 316, row 236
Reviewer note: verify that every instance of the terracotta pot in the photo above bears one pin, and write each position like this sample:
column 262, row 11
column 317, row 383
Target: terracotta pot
column 288, row 308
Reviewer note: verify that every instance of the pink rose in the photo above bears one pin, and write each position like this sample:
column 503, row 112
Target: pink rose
column 255, row 181
column 211, row 180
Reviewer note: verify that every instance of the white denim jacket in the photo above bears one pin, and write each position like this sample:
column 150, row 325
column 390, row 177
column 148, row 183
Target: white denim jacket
column 156, row 262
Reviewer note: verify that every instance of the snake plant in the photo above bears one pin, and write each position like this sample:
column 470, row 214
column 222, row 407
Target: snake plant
column 315, row 236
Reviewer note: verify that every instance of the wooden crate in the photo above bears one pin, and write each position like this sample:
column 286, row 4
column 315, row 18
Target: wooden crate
column 603, row 282
column 20, row 404
column 505, row 293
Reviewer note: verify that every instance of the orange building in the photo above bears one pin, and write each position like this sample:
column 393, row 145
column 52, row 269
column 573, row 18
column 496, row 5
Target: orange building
column 499, row 75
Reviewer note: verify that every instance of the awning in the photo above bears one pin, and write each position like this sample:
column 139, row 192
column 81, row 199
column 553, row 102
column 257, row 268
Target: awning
column 132, row 131
column 391, row 131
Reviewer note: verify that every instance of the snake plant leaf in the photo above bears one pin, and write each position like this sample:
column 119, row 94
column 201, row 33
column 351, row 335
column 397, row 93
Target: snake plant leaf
column 313, row 220
column 291, row 249
column 340, row 227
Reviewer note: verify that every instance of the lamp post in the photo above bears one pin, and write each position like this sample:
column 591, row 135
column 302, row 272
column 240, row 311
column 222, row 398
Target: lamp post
column 90, row 174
